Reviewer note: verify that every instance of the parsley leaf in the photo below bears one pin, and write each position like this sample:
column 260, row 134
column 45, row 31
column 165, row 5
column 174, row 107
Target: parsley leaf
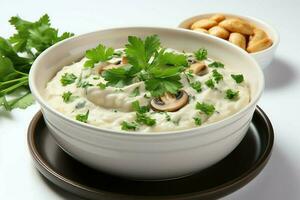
column 98, row 54
column 83, row 117
column 17, row 55
column 129, row 126
column 217, row 76
column 238, row 78
column 232, row 95
column 139, row 52
column 216, row 64
column 66, row 96
column 135, row 92
column 121, row 76
column 210, row 83
column 67, row 79
column 196, row 86
column 208, row 109
column 197, row 121
column 201, row 54
column 37, row 35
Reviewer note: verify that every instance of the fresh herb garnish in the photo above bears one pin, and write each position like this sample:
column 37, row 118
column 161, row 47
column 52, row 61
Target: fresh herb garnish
column 67, row 96
column 68, row 79
column 135, row 92
column 142, row 118
column 83, row 117
column 98, row 54
column 238, row 78
column 121, row 76
column 197, row 121
column 140, row 109
column 150, row 63
column 84, row 84
column 139, row 52
column 168, row 117
column 201, row 54
column 208, row 109
column 102, row 86
column 196, row 86
column 210, row 83
column 232, row 95
column 217, row 76
column 17, row 55
column 127, row 126
column 216, row 64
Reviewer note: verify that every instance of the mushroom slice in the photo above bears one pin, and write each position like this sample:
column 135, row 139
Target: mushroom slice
column 170, row 102
column 198, row 68
column 118, row 63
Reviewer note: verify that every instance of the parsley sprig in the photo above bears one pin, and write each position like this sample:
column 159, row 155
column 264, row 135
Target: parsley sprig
column 17, row 55
column 149, row 62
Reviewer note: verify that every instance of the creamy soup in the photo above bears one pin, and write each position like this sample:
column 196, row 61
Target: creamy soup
column 148, row 89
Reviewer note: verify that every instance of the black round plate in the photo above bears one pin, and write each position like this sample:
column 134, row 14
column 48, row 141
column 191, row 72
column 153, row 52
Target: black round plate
column 228, row 175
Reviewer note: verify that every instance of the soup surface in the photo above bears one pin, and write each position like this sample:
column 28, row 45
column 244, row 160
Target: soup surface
column 145, row 87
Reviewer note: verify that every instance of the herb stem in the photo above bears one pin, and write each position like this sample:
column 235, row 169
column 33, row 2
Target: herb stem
column 7, row 90
column 12, row 81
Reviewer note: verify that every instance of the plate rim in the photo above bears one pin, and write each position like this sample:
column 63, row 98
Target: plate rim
column 214, row 192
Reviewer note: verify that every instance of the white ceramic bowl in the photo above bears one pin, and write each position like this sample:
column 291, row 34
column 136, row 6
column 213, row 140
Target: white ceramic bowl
column 146, row 155
column 264, row 57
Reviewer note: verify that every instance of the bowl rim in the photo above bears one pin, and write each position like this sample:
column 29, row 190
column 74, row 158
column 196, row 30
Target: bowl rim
column 211, row 126
column 268, row 26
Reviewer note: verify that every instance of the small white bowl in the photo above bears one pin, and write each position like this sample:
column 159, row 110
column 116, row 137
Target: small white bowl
column 264, row 57
column 146, row 155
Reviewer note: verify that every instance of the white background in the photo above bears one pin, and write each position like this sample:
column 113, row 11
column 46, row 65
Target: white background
column 281, row 177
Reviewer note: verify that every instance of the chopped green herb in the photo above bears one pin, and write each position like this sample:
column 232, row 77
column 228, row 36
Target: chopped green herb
column 201, row 54
column 168, row 118
column 190, row 74
column 142, row 118
column 140, row 109
column 102, row 86
column 208, row 109
column 196, row 86
column 210, row 83
column 238, row 78
column 84, row 84
column 127, row 126
column 98, row 54
column 216, row 64
column 67, row 79
column 83, row 117
column 198, row 121
column 67, row 96
column 232, row 95
column 96, row 78
column 135, row 92
column 217, row 76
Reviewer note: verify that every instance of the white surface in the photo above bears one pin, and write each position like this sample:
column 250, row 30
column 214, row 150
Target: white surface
column 279, row 180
